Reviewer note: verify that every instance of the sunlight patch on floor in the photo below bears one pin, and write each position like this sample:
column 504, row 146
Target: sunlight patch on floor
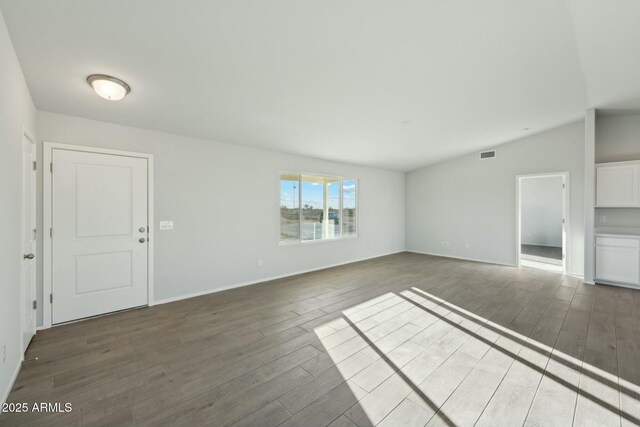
column 414, row 356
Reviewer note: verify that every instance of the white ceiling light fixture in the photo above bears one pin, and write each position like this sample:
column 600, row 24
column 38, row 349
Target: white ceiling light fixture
column 108, row 87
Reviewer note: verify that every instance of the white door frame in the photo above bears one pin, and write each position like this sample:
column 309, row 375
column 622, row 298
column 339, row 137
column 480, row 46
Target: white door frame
column 47, row 220
column 25, row 134
column 566, row 214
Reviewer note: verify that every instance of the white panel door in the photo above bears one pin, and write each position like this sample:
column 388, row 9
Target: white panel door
column 617, row 185
column 100, row 242
column 28, row 276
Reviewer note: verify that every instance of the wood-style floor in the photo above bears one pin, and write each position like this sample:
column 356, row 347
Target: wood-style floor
column 550, row 252
column 401, row 340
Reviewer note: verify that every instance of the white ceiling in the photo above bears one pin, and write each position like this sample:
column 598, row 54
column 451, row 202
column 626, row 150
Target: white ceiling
column 608, row 41
column 395, row 84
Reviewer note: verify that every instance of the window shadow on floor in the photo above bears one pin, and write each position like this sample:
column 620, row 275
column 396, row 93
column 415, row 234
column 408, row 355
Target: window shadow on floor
column 558, row 357
column 372, row 407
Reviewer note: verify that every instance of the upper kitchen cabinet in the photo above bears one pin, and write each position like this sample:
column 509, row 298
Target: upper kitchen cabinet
column 618, row 185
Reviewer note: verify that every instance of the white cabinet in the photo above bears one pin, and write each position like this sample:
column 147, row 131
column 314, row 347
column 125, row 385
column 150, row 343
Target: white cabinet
column 618, row 184
column 618, row 259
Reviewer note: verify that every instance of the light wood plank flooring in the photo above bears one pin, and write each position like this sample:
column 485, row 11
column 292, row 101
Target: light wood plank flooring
column 402, row 340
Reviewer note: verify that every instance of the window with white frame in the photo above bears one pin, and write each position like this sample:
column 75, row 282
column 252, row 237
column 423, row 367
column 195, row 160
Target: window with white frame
column 316, row 207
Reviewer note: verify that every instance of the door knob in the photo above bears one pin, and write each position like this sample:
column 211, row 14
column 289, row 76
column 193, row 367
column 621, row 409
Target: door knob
column 29, row 256
column 142, row 240
column 141, row 229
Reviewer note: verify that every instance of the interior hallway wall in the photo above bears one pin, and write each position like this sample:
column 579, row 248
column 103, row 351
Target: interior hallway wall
column 17, row 113
column 224, row 200
column 466, row 207
column 541, row 211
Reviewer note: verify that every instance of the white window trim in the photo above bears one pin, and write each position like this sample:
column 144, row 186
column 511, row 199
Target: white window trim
column 319, row 175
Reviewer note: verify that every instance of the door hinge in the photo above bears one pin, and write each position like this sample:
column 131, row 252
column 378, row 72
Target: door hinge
column 34, row 165
column 35, row 304
column 51, row 167
column 51, row 298
column 51, row 233
column 563, row 220
column 35, row 234
column 563, row 186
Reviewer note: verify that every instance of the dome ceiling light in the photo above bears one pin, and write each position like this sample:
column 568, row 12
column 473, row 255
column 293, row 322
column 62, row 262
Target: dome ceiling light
column 108, row 87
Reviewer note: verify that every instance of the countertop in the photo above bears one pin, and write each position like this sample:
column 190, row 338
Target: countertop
column 617, row 231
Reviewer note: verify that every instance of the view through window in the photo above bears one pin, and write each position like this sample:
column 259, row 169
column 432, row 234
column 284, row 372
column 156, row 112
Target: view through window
column 316, row 207
column 349, row 207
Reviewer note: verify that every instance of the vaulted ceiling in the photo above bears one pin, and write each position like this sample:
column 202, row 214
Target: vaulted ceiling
column 394, row 84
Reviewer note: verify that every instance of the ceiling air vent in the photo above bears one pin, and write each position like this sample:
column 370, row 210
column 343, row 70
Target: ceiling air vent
column 487, row 155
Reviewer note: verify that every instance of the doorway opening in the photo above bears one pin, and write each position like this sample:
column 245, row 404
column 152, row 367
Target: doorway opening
column 543, row 221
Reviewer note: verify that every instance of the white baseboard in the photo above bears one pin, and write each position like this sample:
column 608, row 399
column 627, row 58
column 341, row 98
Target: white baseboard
column 265, row 279
column 576, row 275
column 5, row 394
column 282, row 276
column 459, row 257
column 620, row 285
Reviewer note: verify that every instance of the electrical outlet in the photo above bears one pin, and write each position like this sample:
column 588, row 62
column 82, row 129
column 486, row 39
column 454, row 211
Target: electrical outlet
column 4, row 353
column 259, row 263
column 603, row 219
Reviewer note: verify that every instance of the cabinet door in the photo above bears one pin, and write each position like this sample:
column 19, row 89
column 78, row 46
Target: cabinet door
column 617, row 185
column 618, row 264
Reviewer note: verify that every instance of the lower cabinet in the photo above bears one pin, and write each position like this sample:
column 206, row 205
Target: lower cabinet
column 618, row 260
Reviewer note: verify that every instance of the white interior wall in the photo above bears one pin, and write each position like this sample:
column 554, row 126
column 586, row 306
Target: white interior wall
column 16, row 112
column 541, row 210
column 466, row 207
column 617, row 140
column 224, row 201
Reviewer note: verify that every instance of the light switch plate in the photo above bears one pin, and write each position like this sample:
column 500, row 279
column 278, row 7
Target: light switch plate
column 166, row 225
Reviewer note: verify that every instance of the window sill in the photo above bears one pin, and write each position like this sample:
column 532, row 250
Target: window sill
column 311, row 242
